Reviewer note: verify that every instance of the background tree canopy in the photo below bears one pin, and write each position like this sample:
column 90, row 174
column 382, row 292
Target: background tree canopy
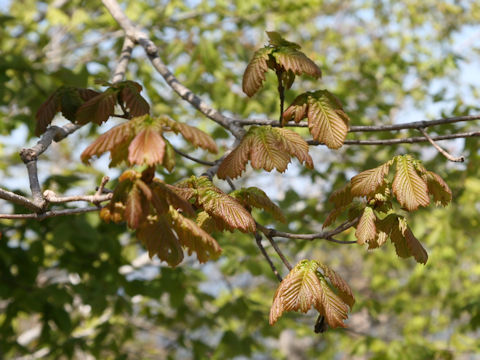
column 78, row 287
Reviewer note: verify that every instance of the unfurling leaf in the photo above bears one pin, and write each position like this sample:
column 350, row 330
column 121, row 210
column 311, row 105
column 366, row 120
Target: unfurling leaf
column 267, row 148
column 140, row 141
column 227, row 212
column 194, row 238
column 130, row 95
column 160, row 240
column 66, row 99
column 296, row 61
column 147, row 148
column 306, row 287
column 112, row 139
column 327, row 121
column 281, row 56
column 98, row 109
column 195, row 136
column 409, row 188
column 366, row 229
column 442, row 195
column 368, row 182
column 254, row 75
column 255, row 197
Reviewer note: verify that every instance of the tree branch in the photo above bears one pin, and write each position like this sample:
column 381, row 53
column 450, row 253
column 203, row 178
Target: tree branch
column 200, row 161
column 279, row 253
column 51, row 213
column 258, row 238
column 326, row 235
column 409, row 140
column 372, row 128
column 123, row 61
column 18, row 199
column 439, row 149
column 139, row 36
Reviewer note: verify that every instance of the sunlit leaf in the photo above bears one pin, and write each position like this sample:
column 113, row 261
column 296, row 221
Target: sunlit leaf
column 254, row 75
column 194, row 238
column 195, row 136
column 366, row 229
column 369, row 181
column 296, row 61
column 108, row 141
column 147, row 148
column 409, row 188
column 267, row 148
column 305, row 287
column 255, row 197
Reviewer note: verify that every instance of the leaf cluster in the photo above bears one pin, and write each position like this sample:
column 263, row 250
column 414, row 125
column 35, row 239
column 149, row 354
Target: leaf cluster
column 281, row 56
column 266, row 148
column 412, row 187
column 82, row 106
column 156, row 211
column 306, row 287
column 141, row 141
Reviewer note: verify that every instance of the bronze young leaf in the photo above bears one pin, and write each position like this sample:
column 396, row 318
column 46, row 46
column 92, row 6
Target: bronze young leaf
column 267, row 148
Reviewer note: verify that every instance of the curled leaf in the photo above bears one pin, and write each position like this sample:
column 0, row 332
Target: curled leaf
column 255, row 197
column 254, row 74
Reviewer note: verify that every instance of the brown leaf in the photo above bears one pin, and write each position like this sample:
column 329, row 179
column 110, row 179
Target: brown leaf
column 136, row 208
column 368, row 182
column 147, row 148
column 195, row 136
column 254, row 75
column 46, row 112
column 257, row 198
column 337, row 281
column 305, row 287
column 414, row 246
column 327, row 121
column 108, row 141
column 296, row 61
column 366, row 230
column 442, row 195
column 160, row 240
column 194, row 238
column 135, row 103
column 267, row 148
column 98, row 109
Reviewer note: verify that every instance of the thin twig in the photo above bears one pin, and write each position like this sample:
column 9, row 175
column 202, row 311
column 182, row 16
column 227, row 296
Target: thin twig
column 51, row 213
column 439, row 149
column 280, row 253
column 51, row 197
column 372, row 128
column 200, row 161
column 281, row 94
column 410, row 140
column 325, row 235
column 124, row 59
column 258, row 238
column 18, row 199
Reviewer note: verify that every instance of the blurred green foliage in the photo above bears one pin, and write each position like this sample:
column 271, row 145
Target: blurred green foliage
column 74, row 286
